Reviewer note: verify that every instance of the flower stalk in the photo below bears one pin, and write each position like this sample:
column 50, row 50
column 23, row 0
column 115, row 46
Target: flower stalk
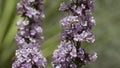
column 29, row 35
column 76, row 28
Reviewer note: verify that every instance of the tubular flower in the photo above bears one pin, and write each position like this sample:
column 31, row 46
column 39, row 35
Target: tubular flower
column 29, row 35
column 77, row 28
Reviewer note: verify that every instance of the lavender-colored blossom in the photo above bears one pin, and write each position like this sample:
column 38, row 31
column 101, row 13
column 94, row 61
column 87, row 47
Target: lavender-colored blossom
column 32, row 13
column 68, row 21
column 77, row 28
column 64, row 6
column 64, row 55
column 29, row 54
column 93, row 57
column 29, row 35
column 84, row 36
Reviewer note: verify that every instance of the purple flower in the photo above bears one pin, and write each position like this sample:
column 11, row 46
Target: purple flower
column 32, row 12
column 93, row 57
column 77, row 28
column 29, row 35
column 84, row 36
column 81, row 54
column 29, row 55
column 64, row 55
column 63, row 6
column 68, row 21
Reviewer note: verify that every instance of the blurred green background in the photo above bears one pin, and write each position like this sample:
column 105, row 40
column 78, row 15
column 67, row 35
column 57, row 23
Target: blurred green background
column 107, row 32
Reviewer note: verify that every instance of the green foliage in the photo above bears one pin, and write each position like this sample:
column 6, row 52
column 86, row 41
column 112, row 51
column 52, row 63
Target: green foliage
column 107, row 15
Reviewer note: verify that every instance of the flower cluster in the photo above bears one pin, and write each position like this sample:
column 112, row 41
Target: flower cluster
column 63, row 57
column 29, row 57
column 29, row 35
column 77, row 28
